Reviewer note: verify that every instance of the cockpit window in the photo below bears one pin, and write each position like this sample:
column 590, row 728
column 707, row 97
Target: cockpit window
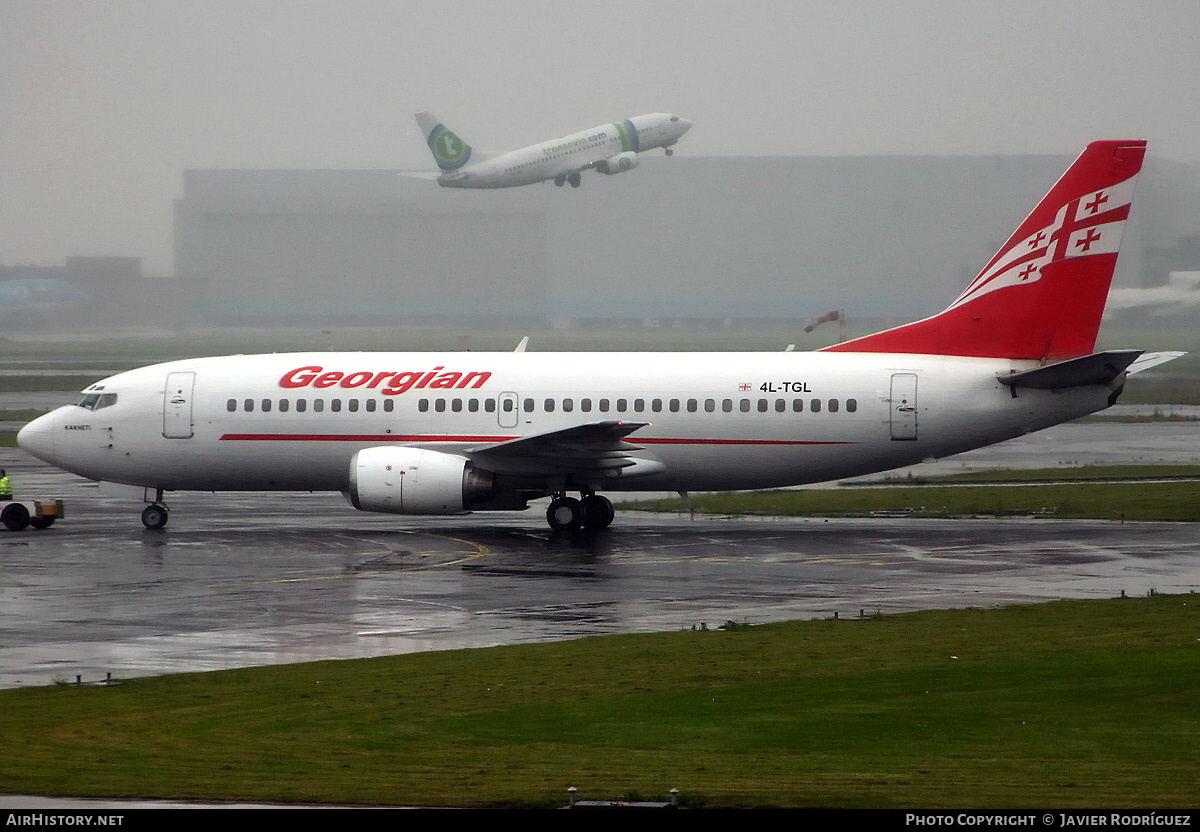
column 96, row 401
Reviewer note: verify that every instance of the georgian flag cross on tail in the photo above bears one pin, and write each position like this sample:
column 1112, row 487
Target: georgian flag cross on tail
column 1043, row 294
column 1083, row 227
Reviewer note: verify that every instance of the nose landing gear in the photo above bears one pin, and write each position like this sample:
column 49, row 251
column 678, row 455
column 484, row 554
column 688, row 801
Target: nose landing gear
column 154, row 516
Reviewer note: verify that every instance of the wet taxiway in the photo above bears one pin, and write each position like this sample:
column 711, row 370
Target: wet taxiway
column 239, row 580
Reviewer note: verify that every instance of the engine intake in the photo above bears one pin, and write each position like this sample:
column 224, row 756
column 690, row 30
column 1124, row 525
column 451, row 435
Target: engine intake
column 398, row 480
column 619, row 163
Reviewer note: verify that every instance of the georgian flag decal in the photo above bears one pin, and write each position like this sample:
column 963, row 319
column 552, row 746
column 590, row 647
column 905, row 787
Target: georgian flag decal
column 1091, row 224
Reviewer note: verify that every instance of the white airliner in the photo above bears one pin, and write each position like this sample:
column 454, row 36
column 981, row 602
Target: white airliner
column 444, row 433
column 609, row 148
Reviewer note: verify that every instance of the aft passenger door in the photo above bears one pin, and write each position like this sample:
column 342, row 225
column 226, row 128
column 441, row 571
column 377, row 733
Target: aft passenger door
column 904, row 406
column 177, row 405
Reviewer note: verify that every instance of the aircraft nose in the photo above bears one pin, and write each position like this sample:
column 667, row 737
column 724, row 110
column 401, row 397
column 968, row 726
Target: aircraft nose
column 684, row 125
column 37, row 437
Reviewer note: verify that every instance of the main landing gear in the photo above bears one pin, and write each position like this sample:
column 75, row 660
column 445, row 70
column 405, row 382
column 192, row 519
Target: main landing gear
column 154, row 516
column 593, row 512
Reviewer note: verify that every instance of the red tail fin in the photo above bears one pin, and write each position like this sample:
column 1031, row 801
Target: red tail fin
column 1043, row 293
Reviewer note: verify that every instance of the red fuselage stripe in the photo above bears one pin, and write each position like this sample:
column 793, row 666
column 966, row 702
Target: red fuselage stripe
column 356, row 437
column 643, row 441
column 392, row 437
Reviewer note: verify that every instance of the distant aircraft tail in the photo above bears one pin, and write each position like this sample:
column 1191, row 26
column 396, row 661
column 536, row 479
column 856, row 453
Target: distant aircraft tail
column 449, row 151
column 1043, row 294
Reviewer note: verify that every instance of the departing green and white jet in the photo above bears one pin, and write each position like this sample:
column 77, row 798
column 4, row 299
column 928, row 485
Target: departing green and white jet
column 609, row 148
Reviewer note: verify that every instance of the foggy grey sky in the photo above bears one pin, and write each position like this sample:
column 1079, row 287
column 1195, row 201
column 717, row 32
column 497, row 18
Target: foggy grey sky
column 104, row 104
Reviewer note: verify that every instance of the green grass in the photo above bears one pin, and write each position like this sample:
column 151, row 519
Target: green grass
column 1071, row 704
column 124, row 352
column 120, row 351
column 1177, row 382
column 1145, row 391
column 20, row 415
column 1156, row 416
column 1170, row 501
column 1038, row 475
column 36, row 383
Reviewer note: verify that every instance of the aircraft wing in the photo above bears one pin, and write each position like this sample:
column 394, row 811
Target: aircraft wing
column 598, row 448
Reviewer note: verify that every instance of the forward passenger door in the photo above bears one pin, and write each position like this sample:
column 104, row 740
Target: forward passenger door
column 177, row 405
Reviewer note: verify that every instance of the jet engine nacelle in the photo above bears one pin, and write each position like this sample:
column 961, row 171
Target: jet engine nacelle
column 619, row 163
column 415, row 481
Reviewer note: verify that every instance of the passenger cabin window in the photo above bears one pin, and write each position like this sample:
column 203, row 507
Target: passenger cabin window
column 851, row 405
column 230, row 405
column 266, row 405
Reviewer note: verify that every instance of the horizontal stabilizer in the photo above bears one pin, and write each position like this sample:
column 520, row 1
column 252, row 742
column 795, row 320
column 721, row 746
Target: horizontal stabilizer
column 1099, row 368
column 1153, row 359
